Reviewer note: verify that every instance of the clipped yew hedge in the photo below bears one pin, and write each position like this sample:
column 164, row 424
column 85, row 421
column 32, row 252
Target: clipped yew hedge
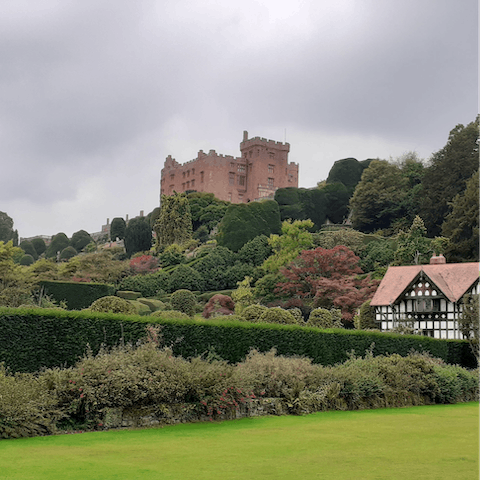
column 31, row 339
column 77, row 295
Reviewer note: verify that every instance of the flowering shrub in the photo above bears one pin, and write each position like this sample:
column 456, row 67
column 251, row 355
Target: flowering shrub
column 143, row 264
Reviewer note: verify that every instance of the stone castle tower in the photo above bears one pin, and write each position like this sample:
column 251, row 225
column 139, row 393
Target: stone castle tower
column 262, row 168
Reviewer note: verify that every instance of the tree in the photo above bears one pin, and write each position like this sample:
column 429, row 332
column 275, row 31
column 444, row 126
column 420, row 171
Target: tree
column 327, row 278
column 80, row 240
column 447, row 174
column 6, row 228
column 295, row 238
column 58, row 243
column 138, row 236
column 461, row 225
column 414, row 246
column 15, row 283
column 117, row 228
column 29, row 249
column 365, row 320
column 378, row 199
column 256, row 251
column 39, row 245
column 174, row 224
column 245, row 221
column 206, row 210
column 68, row 253
column 347, row 171
column 468, row 322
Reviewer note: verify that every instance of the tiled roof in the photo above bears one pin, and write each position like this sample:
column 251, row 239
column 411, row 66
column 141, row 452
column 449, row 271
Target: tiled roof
column 453, row 279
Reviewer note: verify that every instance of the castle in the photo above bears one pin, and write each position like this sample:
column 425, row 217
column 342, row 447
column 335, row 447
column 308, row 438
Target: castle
column 258, row 173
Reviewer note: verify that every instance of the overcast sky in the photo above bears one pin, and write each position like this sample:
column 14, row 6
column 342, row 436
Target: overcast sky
column 94, row 94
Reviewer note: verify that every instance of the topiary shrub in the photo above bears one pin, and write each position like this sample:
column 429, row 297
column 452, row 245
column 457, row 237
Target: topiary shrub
column 170, row 314
column 252, row 313
column 277, row 315
column 128, row 294
column 297, row 313
column 184, row 301
column 219, row 305
column 323, row 318
column 111, row 304
column 27, row 260
column 68, row 253
column 366, row 317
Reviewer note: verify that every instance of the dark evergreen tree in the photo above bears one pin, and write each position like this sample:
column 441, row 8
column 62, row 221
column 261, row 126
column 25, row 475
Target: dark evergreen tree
column 39, row 245
column 80, row 240
column 117, row 228
column 29, row 249
column 6, row 228
column 58, row 243
column 138, row 236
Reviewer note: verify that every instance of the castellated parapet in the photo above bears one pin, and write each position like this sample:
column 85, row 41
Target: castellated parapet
column 261, row 169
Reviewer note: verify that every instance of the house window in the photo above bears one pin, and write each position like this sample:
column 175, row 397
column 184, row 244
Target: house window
column 271, row 182
column 271, row 169
column 427, row 305
column 241, row 180
column 231, row 178
column 201, row 176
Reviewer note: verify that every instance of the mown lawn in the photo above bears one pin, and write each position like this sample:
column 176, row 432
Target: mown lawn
column 429, row 442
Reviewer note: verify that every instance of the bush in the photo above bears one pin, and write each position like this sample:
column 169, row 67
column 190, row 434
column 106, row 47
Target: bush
column 27, row 260
column 366, row 317
column 170, row 314
column 68, row 253
column 148, row 285
column 184, row 277
column 297, row 313
column 111, row 304
column 219, row 305
column 277, row 315
column 323, row 318
column 252, row 313
column 184, row 301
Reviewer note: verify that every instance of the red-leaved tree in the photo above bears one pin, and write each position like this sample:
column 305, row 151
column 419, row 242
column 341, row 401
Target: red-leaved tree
column 328, row 278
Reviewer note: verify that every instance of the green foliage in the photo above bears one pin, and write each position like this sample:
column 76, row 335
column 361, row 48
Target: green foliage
column 112, row 304
column 469, row 322
column 185, row 277
column 153, row 216
column 118, row 228
column 170, row 314
column 243, row 295
column 29, row 249
column 67, row 253
column 6, row 228
column 295, row 238
column 172, row 255
column 366, row 317
column 138, row 236
column 461, row 224
column 31, row 339
column 184, row 301
column 39, row 245
column 15, row 283
column 277, row 315
column 323, row 318
column 348, row 237
column 378, row 199
column 206, row 210
column 378, row 253
column 58, row 243
column 80, row 240
column 256, row 251
column 252, row 313
column 347, row 171
column 447, row 174
column 413, row 247
column 148, row 285
column 27, row 260
column 245, row 221
column 76, row 295
column 265, row 287
column 174, row 224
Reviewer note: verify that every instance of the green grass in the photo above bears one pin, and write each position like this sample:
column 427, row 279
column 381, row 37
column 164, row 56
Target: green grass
column 429, row 442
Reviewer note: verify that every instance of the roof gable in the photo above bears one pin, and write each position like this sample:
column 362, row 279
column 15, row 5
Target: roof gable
column 453, row 279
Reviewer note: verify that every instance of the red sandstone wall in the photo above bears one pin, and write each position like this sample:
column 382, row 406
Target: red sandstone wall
column 262, row 168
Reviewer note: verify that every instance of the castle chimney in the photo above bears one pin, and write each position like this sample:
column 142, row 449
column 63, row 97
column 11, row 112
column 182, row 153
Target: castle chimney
column 437, row 260
column 141, row 213
column 245, row 135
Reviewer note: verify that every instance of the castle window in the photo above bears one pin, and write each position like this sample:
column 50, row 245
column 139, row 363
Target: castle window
column 271, row 154
column 183, row 186
column 172, row 176
column 231, row 178
column 188, row 185
column 258, row 152
column 183, row 174
column 271, row 182
column 229, row 197
column 241, row 168
column 241, row 180
column 250, row 153
column 188, row 173
column 201, row 176
column 232, row 166
column 240, row 197
column 193, row 183
column 271, row 168
column 193, row 171
column 171, row 187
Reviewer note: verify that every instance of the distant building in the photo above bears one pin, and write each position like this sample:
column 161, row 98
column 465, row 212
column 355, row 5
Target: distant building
column 428, row 297
column 262, row 168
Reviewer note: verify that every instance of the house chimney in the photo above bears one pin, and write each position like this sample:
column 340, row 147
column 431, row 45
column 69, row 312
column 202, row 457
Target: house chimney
column 437, row 260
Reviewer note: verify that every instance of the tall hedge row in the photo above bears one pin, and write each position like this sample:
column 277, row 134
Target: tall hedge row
column 31, row 339
column 77, row 295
